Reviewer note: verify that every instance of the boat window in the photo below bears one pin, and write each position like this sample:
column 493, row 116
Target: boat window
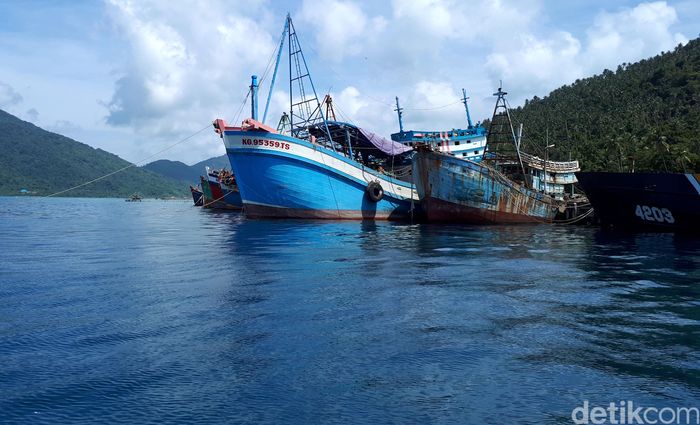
column 456, row 142
column 476, row 152
column 464, row 154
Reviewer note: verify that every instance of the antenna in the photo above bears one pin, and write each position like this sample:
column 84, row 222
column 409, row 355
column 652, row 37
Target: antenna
column 466, row 107
column 399, row 110
column 254, row 97
column 301, row 114
column 502, row 146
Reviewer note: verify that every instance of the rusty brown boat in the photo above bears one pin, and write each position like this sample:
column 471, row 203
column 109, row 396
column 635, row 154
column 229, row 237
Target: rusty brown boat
column 493, row 189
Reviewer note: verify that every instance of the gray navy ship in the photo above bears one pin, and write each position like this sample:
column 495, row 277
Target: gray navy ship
column 644, row 201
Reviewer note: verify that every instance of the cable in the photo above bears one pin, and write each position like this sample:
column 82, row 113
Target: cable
column 240, row 109
column 574, row 219
column 130, row 165
column 135, row 164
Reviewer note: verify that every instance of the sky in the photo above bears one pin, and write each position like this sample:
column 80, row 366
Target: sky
column 137, row 77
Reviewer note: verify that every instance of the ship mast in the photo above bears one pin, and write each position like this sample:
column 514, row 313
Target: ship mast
column 502, row 145
column 306, row 110
column 399, row 111
column 466, row 108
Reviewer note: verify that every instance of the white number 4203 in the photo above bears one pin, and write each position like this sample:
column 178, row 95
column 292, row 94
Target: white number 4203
column 654, row 214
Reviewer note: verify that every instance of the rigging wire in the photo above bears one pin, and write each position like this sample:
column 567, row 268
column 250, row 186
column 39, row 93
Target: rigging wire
column 240, row 109
column 388, row 104
column 391, row 105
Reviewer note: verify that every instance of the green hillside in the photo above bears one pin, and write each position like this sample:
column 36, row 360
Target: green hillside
column 646, row 114
column 174, row 170
column 217, row 162
column 44, row 163
column 188, row 174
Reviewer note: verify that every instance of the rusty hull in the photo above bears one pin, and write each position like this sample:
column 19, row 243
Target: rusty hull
column 458, row 190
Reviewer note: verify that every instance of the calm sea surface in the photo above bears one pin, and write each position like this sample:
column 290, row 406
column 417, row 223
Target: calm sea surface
column 159, row 312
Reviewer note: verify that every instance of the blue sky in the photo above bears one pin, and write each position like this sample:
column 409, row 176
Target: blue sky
column 133, row 77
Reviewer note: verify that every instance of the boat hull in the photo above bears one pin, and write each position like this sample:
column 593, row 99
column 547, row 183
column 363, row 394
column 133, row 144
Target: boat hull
column 216, row 197
column 458, row 190
column 197, row 196
column 285, row 177
column 644, row 201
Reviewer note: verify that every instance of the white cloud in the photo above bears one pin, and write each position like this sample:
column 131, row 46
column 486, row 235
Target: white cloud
column 184, row 67
column 428, row 105
column 536, row 65
column 631, row 34
column 32, row 114
column 165, row 69
column 436, row 17
column 455, row 19
column 342, row 29
column 8, row 96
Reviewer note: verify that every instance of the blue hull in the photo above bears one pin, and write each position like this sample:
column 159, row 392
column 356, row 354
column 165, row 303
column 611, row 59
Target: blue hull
column 457, row 190
column 233, row 198
column 278, row 186
column 218, row 197
column 286, row 183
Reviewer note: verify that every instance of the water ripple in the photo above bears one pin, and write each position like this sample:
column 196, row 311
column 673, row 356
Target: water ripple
column 162, row 312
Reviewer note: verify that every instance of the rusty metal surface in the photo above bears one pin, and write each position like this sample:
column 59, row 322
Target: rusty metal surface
column 452, row 189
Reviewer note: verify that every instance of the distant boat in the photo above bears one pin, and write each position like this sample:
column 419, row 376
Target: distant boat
column 220, row 191
column 466, row 143
column 496, row 189
column 312, row 166
column 644, row 201
column 197, row 196
column 134, row 198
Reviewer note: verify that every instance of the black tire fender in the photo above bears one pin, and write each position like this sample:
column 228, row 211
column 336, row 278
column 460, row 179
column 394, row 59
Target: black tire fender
column 375, row 192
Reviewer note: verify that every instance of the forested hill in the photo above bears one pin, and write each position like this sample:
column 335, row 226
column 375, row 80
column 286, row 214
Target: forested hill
column 188, row 174
column 44, row 163
column 646, row 113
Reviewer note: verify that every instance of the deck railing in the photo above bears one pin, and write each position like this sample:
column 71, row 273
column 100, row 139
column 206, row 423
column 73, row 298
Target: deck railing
column 552, row 166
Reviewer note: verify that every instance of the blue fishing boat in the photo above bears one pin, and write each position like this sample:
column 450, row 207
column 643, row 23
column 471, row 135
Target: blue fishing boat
column 466, row 143
column 312, row 166
column 496, row 189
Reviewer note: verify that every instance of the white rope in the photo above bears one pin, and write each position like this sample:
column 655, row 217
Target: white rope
column 130, row 165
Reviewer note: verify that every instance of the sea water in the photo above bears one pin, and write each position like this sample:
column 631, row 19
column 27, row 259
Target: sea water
column 158, row 312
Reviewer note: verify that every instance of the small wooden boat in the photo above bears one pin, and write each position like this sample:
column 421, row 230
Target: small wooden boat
column 220, row 190
column 197, row 196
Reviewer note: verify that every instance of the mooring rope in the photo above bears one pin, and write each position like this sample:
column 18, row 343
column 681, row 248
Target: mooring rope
column 131, row 165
